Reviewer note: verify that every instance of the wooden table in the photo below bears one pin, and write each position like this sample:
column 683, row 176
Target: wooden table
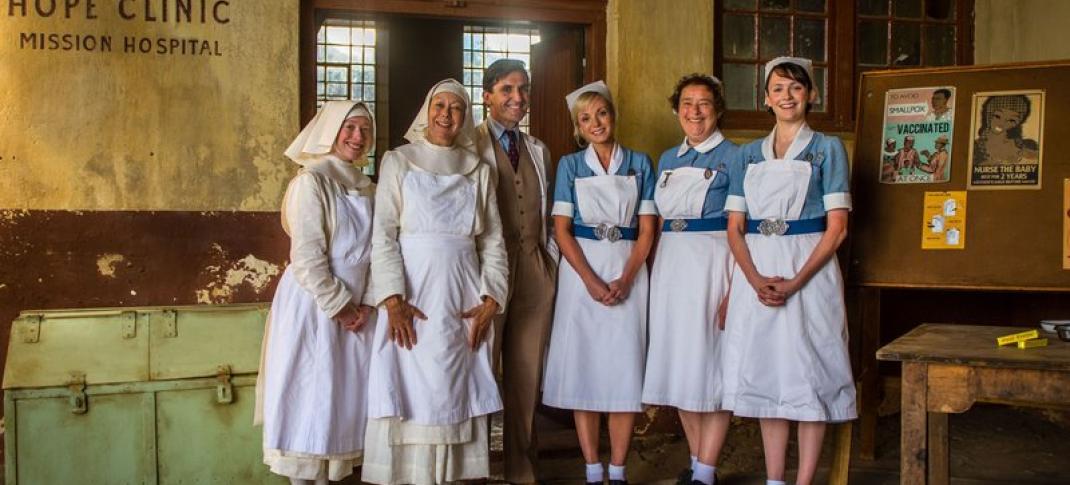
column 947, row 368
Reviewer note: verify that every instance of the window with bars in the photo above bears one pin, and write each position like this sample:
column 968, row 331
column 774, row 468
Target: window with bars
column 486, row 44
column 899, row 33
column 843, row 38
column 345, row 65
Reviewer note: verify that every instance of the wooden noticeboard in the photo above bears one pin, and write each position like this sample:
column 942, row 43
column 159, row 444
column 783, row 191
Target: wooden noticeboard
column 1014, row 238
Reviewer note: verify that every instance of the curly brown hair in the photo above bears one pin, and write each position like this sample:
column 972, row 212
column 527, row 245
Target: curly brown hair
column 698, row 79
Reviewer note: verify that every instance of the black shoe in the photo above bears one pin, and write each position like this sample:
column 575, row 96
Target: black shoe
column 697, row 482
column 684, row 478
column 594, row 483
column 618, row 482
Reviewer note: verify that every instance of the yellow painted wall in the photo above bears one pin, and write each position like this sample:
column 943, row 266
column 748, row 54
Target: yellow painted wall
column 1021, row 30
column 650, row 45
column 117, row 130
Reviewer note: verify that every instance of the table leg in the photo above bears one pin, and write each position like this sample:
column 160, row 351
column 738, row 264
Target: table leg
column 869, row 395
column 914, row 425
column 939, row 464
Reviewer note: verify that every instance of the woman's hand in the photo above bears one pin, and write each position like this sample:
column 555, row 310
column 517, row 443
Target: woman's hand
column 768, row 293
column 785, row 287
column 722, row 311
column 620, row 288
column 598, row 290
column 400, row 315
column 349, row 317
column 482, row 315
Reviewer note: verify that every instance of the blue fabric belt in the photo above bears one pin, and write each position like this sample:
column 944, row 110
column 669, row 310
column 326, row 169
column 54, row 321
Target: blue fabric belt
column 605, row 231
column 780, row 227
column 695, row 225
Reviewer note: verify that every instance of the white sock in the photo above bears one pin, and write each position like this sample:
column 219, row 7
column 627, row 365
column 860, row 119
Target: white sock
column 616, row 472
column 694, row 459
column 594, row 472
column 775, row 482
column 704, row 473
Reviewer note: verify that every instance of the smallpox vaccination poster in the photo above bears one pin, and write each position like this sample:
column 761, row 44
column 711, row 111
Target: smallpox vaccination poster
column 918, row 124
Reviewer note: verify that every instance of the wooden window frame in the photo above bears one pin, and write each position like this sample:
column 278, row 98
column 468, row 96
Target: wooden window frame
column 589, row 13
column 842, row 97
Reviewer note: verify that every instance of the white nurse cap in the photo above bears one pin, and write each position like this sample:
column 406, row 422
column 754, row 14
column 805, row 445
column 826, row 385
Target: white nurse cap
column 802, row 62
column 595, row 87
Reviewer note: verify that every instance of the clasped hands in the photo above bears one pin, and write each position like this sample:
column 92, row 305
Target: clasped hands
column 401, row 314
column 352, row 317
column 609, row 294
column 773, row 290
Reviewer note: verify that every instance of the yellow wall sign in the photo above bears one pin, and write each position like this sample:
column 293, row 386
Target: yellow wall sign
column 943, row 223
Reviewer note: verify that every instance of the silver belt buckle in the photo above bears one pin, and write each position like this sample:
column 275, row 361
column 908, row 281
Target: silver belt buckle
column 607, row 231
column 678, row 225
column 770, row 227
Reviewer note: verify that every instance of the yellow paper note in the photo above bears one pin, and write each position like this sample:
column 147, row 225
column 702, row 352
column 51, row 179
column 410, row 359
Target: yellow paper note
column 943, row 224
column 1017, row 337
column 1034, row 342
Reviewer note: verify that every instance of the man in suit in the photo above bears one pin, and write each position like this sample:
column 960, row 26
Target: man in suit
column 522, row 164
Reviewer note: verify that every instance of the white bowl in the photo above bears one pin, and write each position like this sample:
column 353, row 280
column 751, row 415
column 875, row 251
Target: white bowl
column 1049, row 325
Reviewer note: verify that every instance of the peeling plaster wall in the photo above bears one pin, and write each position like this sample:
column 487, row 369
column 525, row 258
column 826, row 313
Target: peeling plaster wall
column 118, row 131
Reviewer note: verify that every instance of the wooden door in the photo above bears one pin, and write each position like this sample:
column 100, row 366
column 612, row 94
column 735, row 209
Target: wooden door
column 556, row 70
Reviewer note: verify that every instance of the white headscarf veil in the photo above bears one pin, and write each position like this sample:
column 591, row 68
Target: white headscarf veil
column 461, row 157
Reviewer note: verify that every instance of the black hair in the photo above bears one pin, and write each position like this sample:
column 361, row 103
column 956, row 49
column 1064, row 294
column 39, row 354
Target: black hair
column 796, row 73
column 499, row 69
column 945, row 92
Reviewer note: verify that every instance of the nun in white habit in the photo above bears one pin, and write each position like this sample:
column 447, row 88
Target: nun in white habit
column 439, row 268
column 318, row 339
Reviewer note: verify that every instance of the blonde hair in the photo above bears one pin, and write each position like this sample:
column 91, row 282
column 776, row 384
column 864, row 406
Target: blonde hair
column 581, row 104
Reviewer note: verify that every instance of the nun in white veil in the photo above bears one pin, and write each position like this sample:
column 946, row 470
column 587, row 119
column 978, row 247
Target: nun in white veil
column 317, row 344
column 439, row 268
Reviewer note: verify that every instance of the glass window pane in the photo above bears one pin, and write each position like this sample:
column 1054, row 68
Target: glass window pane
column 774, row 4
column 467, row 58
column 477, row 59
column 369, row 55
column 369, row 92
column 906, row 9
column 477, row 41
column 336, row 89
column 320, row 89
column 740, row 81
column 939, row 45
column 357, row 54
column 467, row 41
column 525, row 58
column 774, row 37
column 737, row 36
column 810, row 5
column 742, row 4
column 490, row 57
column 369, row 74
column 906, row 44
column 496, row 42
column 519, row 43
column 337, row 35
column 337, row 54
column 940, row 9
column 467, row 77
column 873, row 7
column 321, row 36
column 810, row 38
column 355, row 89
column 356, row 74
column 873, row 42
column 321, row 74
column 822, row 90
column 369, row 36
column 321, row 54
column 336, row 74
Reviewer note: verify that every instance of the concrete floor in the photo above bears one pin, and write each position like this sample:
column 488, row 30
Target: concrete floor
column 990, row 444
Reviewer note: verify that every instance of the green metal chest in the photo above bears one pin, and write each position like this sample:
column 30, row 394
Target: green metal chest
column 151, row 395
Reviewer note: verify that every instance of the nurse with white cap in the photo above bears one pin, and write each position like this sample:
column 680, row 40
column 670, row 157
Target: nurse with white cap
column 604, row 223
column 314, row 377
column 785, row 349
column 440, row 270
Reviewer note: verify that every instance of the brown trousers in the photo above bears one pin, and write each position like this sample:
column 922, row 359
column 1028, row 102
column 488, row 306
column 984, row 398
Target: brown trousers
column 521, row 336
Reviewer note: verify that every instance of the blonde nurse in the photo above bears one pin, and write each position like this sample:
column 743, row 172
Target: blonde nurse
column 318, row 341
column 785, row 349
column 440, row 270
column 604, row 222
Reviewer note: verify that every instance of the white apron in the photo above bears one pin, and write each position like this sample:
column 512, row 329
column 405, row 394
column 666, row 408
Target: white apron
column 689, row 280
column 787, row 362
column 595, row 361
column 316, row 372
column 429, row 404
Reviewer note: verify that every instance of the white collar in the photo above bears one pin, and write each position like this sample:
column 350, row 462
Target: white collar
column 708, row 144
column 341, row 171
column 802, row 139
column 615, row 160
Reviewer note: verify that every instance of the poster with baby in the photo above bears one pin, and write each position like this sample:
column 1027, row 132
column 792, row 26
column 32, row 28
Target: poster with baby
column 918, row 124
column 1005, row 140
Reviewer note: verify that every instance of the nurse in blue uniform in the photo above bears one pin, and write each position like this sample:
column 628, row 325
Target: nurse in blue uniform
column 691, row 274
column 785, row 349
column 604, row 222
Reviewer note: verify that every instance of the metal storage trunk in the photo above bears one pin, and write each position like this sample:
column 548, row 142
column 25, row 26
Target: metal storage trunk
column 148, row 395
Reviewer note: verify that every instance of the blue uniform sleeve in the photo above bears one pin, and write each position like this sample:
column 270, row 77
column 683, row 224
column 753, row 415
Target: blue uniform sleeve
column 737, row 170
column 835, row 176
column 564, row 197
column 646, row 187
